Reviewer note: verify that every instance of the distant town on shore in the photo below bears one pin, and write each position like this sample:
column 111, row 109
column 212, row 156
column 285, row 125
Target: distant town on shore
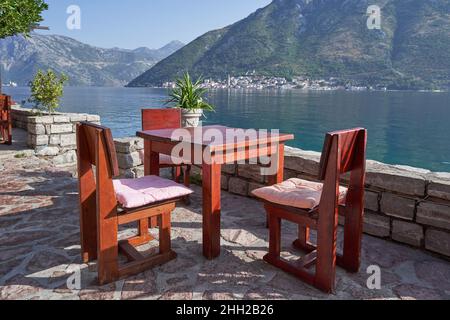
column 257, row 82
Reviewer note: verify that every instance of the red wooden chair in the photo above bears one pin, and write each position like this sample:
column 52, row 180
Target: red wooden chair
column 316, row 206
column 105, row 204
column 156, row 119
column 5, row 120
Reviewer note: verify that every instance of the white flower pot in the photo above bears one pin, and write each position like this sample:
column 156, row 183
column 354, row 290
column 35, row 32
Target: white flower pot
column 191, row 118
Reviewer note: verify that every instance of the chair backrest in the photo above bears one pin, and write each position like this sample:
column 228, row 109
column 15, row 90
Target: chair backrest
column 5, row 103
column 351, row 146
column 98, row 201
column 94, row 141
column 156, row 119
column 344, row 151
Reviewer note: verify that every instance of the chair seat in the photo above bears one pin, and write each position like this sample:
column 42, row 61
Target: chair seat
column 135, row 193
column 167, row 160
column 296, row 193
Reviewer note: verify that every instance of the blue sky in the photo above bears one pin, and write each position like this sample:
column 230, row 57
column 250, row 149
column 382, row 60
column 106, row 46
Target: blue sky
column 145, row 23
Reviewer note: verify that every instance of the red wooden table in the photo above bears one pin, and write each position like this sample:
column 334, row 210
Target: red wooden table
column 240, row 147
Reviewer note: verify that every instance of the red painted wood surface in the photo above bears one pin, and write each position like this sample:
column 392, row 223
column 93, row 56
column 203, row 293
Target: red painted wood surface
column 154, row 119
column 241, row 140
column 220, row 153
column 101, row 215
column 5, row 120
column 343, row 152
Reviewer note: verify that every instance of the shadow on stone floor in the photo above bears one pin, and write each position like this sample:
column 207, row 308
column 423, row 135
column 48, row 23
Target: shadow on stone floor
column 19, row 144
column 38, row 222
column 39, row 251
column 213, row 279
column 40, row 244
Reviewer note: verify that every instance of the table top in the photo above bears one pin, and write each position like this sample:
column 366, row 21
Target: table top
column 206, row 137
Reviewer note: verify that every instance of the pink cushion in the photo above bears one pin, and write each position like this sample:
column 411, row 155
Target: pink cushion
column 296, row 193
column 165, row 159
column 134, row 193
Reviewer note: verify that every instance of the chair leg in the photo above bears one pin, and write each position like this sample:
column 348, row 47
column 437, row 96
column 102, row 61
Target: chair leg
column 274, row 255
column 353, row 226
column 303, row 241
column 2, row 134
column 187, row 176
column 166, row 254
column 274, row 236
column 187, row 183
column 326, row 258
column 177, row 174
column 108, row 258
column 164, row 233
column 9, row 138
column 144, row 235
column 88, row 229
column 9, row 134
column 143, row 227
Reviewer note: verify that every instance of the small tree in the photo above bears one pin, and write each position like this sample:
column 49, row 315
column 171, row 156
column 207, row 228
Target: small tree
column 47, row 90
column 20, row 16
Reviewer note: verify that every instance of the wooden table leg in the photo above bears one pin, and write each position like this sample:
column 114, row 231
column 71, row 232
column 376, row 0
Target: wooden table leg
column 151, row 160
column 279, row 176
column 151, row 168
column 9, row 129
column 211, row 210
column 177, row 174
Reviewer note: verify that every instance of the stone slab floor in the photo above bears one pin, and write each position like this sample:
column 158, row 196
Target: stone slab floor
column 39, row 251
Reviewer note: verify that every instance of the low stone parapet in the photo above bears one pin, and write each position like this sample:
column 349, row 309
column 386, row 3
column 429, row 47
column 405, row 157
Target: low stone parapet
column 402, row 204
column 52, row 136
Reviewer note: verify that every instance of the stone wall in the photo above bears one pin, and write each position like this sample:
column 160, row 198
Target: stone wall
column 403, row 204
column 130, row 155
column 52, row 136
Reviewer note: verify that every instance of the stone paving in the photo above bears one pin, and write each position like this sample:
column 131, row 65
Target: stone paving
column 39, row 250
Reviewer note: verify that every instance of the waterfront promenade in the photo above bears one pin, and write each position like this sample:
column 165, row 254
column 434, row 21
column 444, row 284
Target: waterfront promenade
column 39, row 249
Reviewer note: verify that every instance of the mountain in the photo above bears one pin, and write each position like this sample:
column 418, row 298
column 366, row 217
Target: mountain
column 85, row 65
column 324, row 38
column 169, row 49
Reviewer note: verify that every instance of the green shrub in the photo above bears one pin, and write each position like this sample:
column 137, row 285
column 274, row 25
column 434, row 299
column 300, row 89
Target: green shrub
column 47, row 90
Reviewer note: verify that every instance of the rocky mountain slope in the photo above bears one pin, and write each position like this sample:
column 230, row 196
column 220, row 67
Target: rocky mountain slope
column 324, row 38
column 85, row 65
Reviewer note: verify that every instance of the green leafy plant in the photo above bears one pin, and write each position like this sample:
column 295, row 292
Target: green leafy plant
column 46, row 90
column 189, row 95
column 20, row 16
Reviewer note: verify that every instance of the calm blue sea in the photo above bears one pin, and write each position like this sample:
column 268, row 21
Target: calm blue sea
column 408, row 128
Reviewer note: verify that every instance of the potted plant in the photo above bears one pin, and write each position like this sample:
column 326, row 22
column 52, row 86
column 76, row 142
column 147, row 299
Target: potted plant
column 189, row 97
